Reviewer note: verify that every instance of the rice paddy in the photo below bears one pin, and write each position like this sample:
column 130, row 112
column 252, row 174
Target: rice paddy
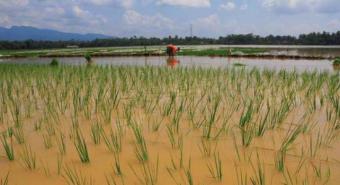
column 113, row 125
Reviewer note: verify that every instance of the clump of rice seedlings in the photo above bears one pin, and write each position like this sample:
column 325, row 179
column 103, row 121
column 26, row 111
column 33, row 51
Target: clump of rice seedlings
column 60, row 160
column 149, row 173
column 74, row 176
column 113, row 142
column 206, row 147
column 18, row 134
column 215, row 169
column 141, row 149
column 188, row 174
column 207, row 130
column 247, row 135
column 242, row 177
column 38, row 125
column 246, row 115
column 117, row 166
column 28, row 158
column 47, row 141
column 155, row 125
column 46, row 169
column 174, row 139
column 80, row 145
column 322, row 175
column 280, row 159
column 96, row 132
column 168, row 108
column 61, row 144
column 8, row 147
column 260, row 177
column 4, row 180
column 262, row 125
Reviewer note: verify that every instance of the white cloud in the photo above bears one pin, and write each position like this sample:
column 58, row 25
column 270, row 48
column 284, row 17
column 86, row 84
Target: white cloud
column 132, row 17
column 11, row 3
column 127, row 4
column 229, row 6
column 244, row 7
column 188, row 3
column 299, row 6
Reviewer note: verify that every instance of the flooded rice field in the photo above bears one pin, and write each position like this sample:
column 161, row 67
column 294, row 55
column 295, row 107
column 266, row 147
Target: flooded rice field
column 190, row 61
column 259, row 122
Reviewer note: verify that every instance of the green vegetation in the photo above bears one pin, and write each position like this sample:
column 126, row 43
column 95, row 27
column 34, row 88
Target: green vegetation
column 88, row 53
column 8, row 147
column 336, row 62
column 54, row 62
column 181, row 124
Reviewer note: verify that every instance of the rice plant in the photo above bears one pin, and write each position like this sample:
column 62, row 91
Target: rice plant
column 141, row 149
column 28, row 157
column 4, row 180
column 149, row 173
column 81, row 147
column 74, row 176
column 8, row 147
column 96, row 132
column 215, row 169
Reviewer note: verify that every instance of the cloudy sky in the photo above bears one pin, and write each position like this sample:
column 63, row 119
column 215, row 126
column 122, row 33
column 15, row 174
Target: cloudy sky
column 159, row 18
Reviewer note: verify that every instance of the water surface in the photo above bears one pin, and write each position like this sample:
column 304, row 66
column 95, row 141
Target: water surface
column 190, row 61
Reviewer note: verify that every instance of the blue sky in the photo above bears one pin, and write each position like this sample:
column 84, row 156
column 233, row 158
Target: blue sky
column 160, row 18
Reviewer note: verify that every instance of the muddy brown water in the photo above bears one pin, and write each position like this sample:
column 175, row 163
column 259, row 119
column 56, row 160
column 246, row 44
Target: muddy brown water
column 190, row 61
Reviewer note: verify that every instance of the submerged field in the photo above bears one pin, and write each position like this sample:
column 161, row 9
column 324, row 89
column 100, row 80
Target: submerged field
column 83, row 125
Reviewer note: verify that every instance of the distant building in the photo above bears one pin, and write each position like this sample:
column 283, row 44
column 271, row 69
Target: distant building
column 72, row 46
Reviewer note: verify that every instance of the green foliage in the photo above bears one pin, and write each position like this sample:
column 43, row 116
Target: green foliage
column 336, row 62
column 54, row 62
column 88, row 57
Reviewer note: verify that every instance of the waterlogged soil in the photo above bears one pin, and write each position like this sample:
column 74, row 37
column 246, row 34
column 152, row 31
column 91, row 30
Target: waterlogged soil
column 239, row 163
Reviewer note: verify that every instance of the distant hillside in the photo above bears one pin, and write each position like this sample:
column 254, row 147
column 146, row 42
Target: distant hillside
column 20, row 33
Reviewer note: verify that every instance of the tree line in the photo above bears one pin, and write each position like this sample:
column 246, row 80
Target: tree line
column 323, row 38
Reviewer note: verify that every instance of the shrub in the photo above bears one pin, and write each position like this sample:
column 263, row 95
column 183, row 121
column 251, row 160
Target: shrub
column 336, row 62
column 88, row 57
column 54, row 62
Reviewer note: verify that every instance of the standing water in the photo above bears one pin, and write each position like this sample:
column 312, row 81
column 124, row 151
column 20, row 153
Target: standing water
column 190, row 61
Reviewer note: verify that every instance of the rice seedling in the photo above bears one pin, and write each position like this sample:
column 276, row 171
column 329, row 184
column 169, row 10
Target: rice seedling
column 188, row 174
column 260, row 177
column 47, row 141
column 206, row 147
column 74, row 176
column 149, row 173
column 19, row 135
column 141, row 150
column 215, row 169
column 96, row 132
column 211, row 119
column 28, row 158
column 8, row 147
column 61, row 144
column 113, row 142
column 242, row 177
column 81, row 147
column 4, row 180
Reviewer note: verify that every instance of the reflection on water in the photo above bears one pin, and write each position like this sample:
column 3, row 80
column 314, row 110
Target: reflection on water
column 172, row 62
column 190, row 61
